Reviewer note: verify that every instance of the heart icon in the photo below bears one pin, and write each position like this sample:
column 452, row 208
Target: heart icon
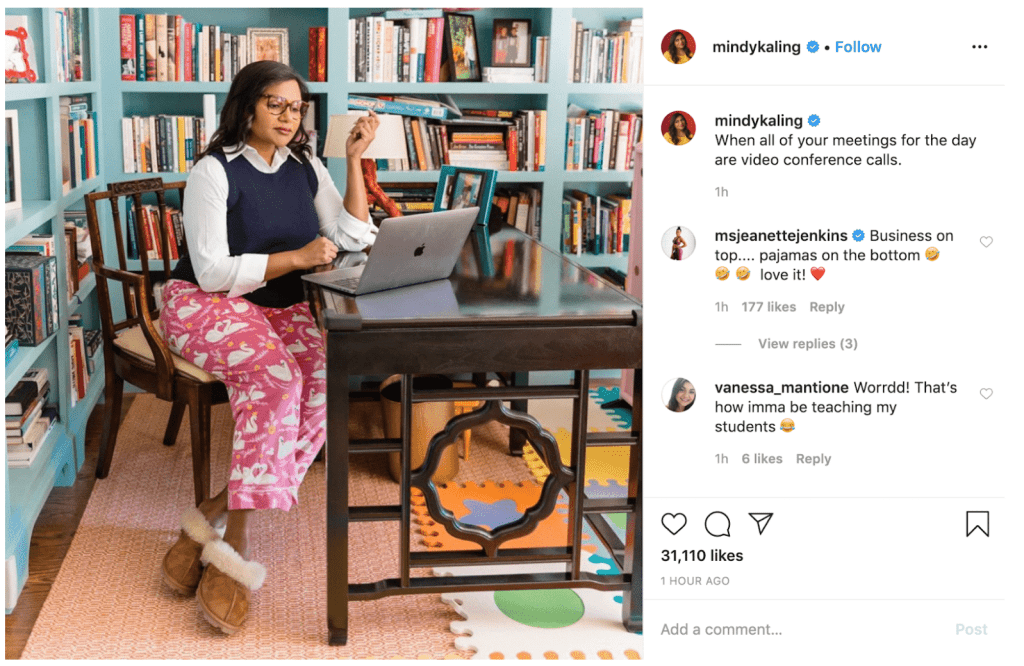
column 817, row 272
column 985, row 393
column 986, row 240
column 673, row 522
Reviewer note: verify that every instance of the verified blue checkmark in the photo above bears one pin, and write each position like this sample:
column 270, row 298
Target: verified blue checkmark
column 858, row 235
column 812, row 46
column 813, row 120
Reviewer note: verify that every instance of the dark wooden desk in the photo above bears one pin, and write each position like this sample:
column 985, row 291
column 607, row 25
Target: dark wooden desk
column 513, row 308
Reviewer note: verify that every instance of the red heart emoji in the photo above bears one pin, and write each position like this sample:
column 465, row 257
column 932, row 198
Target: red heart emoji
column 817, row 272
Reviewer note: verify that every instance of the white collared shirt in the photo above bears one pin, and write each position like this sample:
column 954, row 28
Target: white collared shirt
column 205, row 220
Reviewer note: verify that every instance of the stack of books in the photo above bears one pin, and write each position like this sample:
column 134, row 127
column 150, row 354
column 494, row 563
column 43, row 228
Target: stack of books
column 603, row 56
column 595, row 225
column 28, row 418
column 163, row 47
column 79, row 146
column 411, row 198
column 397, row 46
column 601, row 140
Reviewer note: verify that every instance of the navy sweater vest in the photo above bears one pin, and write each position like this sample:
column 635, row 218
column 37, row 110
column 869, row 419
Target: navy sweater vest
column 267, row 213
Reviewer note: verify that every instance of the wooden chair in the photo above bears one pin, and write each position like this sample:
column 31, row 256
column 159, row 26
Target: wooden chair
column 133, row 346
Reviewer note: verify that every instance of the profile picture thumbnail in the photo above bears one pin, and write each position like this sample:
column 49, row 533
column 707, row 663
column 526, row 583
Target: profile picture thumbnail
column 679, row 395
column 678, row 46
column 678, row 128
column 678, row 243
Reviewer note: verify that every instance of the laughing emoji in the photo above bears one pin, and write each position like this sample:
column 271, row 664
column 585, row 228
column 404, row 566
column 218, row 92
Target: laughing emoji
column 722, row 273
column 742, row 273
column 787, row 425
column 931, row 254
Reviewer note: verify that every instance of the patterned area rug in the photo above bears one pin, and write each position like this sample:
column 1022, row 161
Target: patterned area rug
column 109, row 601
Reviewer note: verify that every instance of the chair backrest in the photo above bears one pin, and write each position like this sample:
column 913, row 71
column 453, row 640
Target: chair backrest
column 140, row 307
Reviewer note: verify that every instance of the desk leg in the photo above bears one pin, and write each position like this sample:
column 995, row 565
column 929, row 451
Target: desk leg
column 516, row 437
column 337, row 501
column 633, row 598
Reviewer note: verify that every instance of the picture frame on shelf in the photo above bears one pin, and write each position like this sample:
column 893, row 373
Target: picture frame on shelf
column 12, row 149
column 268, row 44
column 461, row 50
column 19, row 52
column 512, row 43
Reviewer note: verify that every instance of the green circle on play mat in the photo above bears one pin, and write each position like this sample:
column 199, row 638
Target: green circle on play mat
column 544, row 609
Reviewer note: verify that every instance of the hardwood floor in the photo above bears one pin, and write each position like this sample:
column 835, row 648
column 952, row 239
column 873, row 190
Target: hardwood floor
column 58, row 521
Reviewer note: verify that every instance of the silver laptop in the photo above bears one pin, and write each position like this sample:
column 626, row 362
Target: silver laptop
column 408, row 250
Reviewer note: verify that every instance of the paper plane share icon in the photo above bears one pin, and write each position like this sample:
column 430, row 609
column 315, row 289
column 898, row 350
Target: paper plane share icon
column 762, row 520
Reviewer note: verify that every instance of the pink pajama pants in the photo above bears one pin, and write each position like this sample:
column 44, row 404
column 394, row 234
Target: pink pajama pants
column 272, row 361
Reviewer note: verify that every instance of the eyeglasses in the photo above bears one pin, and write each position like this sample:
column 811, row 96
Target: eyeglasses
column 277, row 104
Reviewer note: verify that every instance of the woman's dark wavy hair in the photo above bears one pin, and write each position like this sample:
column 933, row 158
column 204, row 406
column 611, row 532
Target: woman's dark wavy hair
column 675, row 134
column 673, row 403
column 674, row 52
column 246, row 92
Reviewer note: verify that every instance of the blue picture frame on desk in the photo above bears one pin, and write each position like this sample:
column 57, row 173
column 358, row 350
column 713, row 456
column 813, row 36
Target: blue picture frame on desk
column 476, row 188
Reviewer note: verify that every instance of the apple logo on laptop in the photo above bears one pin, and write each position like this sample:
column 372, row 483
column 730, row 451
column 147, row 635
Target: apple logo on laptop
column 419, row 251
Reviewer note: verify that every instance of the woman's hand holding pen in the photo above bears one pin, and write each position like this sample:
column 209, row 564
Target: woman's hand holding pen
column 362, row 135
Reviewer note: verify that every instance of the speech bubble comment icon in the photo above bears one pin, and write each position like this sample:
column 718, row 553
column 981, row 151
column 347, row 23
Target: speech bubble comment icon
column 673, row 522
column 717, row 524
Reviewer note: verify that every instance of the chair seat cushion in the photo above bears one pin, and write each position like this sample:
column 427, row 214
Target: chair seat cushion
column 133, row 341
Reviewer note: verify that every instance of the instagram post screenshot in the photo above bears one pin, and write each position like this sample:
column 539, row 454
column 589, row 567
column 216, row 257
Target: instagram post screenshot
column 324, row 332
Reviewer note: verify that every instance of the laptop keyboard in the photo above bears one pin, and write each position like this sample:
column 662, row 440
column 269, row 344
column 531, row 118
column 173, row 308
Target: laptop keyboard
column 349, row 283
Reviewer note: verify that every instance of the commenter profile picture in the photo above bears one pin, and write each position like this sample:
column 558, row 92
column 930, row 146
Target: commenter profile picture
column 679, row 395
column 678, row 243
column 678, row 46
column 678, row 128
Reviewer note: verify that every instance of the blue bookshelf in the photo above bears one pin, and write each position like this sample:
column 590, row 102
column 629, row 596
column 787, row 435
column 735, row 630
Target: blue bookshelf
column 62, row 453
column 114, row 99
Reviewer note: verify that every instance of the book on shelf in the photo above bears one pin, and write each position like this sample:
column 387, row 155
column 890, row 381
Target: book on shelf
column 79, row 364
column 163, row 143
column 519, row 208
column 22, row 456
column 411, row 199
column 509, row 75
column 150, row 239
column 601, row 140
column 17, row 426
column 22, row 445
column 592, row 224
column 68, row 39
column 30, row 281
column 599, row 55
column 496, row 139
column 32, row 384
column 34, row 244
column 403, row 106
column 11, row 348
column 169, row 47
column 318, row 54
column 398, row 46
column 79, row 149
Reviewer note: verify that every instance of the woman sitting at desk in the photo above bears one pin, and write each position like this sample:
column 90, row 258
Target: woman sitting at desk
column 260, row 208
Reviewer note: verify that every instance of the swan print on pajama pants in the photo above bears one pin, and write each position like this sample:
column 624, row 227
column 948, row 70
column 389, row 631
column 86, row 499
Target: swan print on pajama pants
column 272, row 362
